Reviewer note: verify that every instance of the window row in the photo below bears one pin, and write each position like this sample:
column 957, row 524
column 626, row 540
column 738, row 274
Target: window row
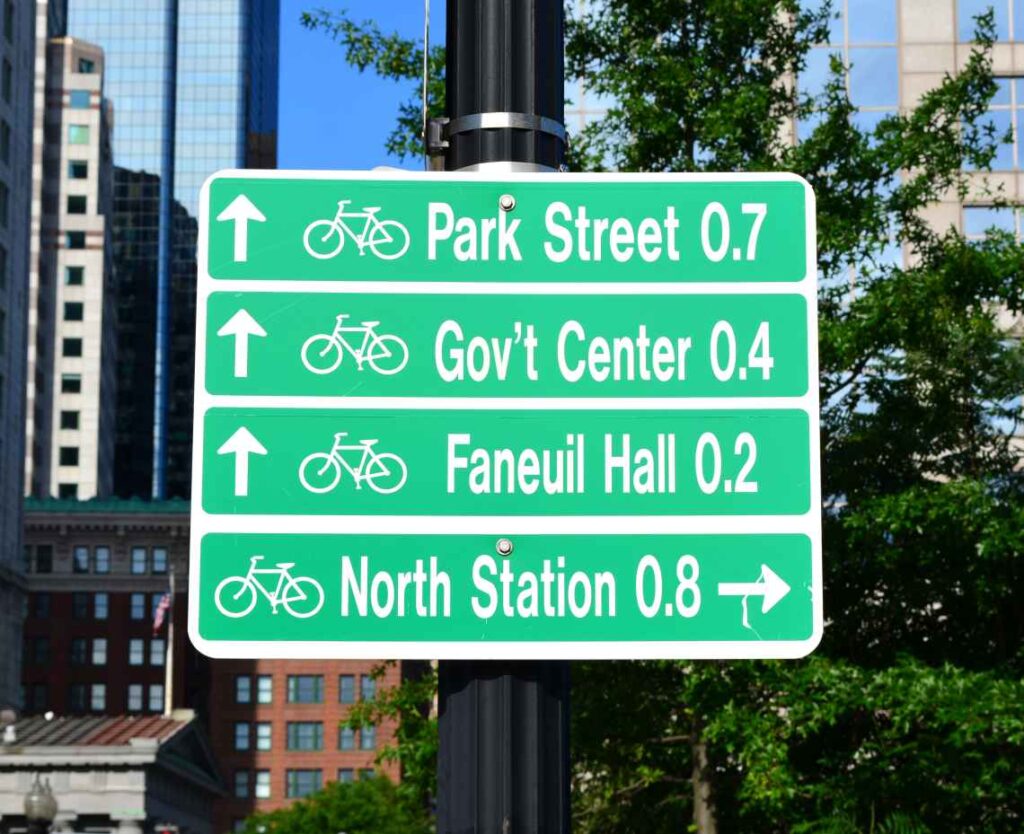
column 298, row 783
column 92, row 697
column 95, row 559
column 96, row 606
column 304, row 689
column 301, row 736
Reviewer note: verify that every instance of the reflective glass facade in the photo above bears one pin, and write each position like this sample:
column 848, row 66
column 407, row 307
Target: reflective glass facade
column 193, row 84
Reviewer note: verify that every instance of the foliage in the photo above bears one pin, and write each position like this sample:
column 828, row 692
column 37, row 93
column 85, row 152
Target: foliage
column 409, row 705
column 908, row 717
column 369, row 806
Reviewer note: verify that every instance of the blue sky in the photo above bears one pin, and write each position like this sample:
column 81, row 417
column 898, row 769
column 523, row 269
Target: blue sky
column 331, row 116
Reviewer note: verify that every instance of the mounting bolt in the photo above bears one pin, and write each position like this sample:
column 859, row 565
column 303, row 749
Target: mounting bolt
column 504, row 547
column 507, row 202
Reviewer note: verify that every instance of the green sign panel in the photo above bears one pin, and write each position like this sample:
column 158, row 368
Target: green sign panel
column 543, row 417
column 450, row 228
column 400, row 589
column 418, row 345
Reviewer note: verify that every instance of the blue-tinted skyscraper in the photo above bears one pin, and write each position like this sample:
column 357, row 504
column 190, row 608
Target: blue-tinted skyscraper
column 193, row 84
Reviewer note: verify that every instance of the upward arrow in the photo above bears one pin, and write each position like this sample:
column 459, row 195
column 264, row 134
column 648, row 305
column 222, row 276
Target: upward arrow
column 241, row 211
column 241, row 325
column 242, row 444
column 770, row 586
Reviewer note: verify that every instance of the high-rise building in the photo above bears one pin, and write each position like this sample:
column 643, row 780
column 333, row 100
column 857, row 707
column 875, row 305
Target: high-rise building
column 17, row 41
column 69, row 442
column 194, row 88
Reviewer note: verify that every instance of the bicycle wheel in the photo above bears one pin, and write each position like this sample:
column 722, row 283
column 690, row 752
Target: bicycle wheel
column 235, row 596
column 319, row 473
column 388, row 355
column 388, row 240
column 304, row 597
column 388, row 473
column 317, row 239
column 321, row 354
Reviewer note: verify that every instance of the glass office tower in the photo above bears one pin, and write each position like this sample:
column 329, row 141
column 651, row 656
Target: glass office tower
column 193, row 84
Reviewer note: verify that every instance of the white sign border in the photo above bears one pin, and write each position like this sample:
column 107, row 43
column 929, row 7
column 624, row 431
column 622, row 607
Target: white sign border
column 809, row 524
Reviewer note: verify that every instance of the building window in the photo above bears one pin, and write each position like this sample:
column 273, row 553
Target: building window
column 3, row 267
column 242, row 784
column 346, row 775
column 79, row 555
column 5, row 142
column 139, row 560
column 44, row 558
column 76, row 204
column 305, row 689
column 37, row 696
column 79, row 651
column 243, row 689
column 135, row 697
column 136, row 651
column 102, row 559
column 159, row 560
column 39, row 651
column 241, row 735
column 7, row 80
column 368, row 738
column 262, row 784
column 367, row 687
column 264, row 689
column 80, row 605
column 99, row 651
column 74, row 240
column 80, row 99
column 78, row 134
column 98, row 697
column 156, row 697
column 347, row 689
column 78, row 169
column 101, row 605
column 305, row 735
column 9, row 21
column 5, row 204
column 41, row 605
column 67, row 490
column 157, row 651
column 68, row 457
column 76, row 697
column 264, row 736
column 85, row 66
column 346, row 738
column 138, row 607
column 154, row 605
column 69, row 419
column 71, row 347
column 71, row 383
column 365, row 773
column 300, row 783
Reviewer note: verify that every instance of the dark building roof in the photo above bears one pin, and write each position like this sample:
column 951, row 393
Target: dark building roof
column 104, row 731
column 106, row 505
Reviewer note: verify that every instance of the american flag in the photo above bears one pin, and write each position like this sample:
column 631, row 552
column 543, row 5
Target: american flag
column 161, row 612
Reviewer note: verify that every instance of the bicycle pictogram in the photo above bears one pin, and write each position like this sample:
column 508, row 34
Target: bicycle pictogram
column 385, row 353
column 384, row 472
column 301, row 596
column 387, row 239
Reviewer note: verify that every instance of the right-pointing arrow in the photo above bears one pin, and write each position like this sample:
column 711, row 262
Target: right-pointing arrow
column 770, row 586
column 242, row 444
column 241, row 325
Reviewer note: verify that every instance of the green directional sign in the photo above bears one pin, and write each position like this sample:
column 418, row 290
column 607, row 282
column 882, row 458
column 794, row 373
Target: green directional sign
column 402, row 593
column 506, row 462
column 374, row 345
column 546, row 416
column 453, row 228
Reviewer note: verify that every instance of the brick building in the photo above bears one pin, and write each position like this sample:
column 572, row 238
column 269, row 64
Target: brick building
column 96, row 572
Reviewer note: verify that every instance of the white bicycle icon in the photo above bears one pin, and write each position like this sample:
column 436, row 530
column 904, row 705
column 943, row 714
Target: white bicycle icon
column 323, row 352
column 301, row 596
column 384, row 472
column 387, row 239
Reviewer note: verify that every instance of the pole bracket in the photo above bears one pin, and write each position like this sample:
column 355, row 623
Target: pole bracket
column 499, row 120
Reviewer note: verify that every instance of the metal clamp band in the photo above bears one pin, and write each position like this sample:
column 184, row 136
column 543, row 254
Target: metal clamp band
column 515, row 121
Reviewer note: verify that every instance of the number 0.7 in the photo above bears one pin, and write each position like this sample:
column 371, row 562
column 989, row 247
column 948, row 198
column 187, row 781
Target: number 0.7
column 717, row 210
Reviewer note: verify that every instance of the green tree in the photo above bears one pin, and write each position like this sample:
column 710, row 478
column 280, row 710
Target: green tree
column 908, row 717
column 369, row 806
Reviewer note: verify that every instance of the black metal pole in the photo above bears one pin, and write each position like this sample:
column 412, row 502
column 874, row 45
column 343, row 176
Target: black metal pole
column 503, row 764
